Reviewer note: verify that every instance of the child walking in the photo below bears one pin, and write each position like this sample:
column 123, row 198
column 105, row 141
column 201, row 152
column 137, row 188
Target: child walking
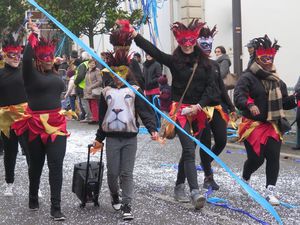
column 118, row 110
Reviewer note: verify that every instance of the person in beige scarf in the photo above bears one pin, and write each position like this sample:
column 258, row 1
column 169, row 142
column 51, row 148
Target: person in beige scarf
column 262, row 97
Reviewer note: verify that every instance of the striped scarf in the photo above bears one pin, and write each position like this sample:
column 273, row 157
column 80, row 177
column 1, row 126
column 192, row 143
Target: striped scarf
column 271, row 82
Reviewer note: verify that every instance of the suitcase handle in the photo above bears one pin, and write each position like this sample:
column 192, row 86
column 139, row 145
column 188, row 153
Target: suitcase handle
column 88, row 165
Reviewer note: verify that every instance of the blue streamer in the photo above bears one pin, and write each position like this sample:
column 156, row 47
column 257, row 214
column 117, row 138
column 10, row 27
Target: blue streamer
column 60, row 47
column 224, row 203
column 143, row 130
column 155, row 98
column 175, row 166
column 289, row 206
column 248, row 189
column 154, row 15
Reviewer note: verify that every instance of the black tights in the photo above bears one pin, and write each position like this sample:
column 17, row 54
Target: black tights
column 10, row 146
column 218, row 127
column 55, row 152
column 271, row 152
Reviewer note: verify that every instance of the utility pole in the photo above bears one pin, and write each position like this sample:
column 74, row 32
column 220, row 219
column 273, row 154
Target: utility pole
column 237, row 36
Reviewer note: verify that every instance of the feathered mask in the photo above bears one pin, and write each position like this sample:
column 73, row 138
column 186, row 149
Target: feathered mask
column 121, row 39
column 265, row 51
column 206, row 38
column 44, row 49
column 119, row 62
column 187, row 36
column 11, row 45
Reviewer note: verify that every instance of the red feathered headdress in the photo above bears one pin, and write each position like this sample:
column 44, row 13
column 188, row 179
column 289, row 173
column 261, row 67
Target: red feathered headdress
column 10, row 44
column 264, row 46
column 121, row 36
column 187, row 36
column 44, row 49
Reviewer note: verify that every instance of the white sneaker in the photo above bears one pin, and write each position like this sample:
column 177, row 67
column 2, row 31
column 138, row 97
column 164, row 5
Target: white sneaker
column 270, row 193
column 40, row 194
column 8, row 192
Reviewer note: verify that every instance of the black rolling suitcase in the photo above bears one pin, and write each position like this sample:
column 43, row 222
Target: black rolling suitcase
column 87, row 180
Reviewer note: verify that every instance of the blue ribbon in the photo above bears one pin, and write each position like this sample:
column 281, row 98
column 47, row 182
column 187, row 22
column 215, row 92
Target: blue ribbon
column 289, row 206
column 249, row 190
column 175, row 166
column 59, row 49
column 224, row 203
column 155, row 98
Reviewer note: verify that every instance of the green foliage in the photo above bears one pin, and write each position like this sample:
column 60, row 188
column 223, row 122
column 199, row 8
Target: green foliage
column 81, row 16
column 112, row 15
column 87, row 17
column 12, row 14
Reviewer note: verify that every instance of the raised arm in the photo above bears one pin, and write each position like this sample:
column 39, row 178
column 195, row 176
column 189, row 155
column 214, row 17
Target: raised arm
column 27, row 65
column 152, row 50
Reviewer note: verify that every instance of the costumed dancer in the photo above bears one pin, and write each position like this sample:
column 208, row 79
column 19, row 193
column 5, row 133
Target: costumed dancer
column 12, row 106
column 118, row 124
column 262, row 98
column 217, row 113
column 187, row 60
column 43, row 123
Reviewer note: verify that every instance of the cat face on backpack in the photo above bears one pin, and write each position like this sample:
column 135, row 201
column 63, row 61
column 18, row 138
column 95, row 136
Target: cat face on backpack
column 120, row 114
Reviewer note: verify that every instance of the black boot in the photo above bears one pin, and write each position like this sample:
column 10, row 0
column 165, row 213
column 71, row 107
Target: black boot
column 210, row 182
column 56, row 213
column 33, row 203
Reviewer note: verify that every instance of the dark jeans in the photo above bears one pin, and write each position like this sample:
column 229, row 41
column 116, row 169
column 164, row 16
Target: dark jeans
column 271, row 152
column 72, row 102
column 55, row 152
column 218, row 127
column 10, row 146
column 186, row 166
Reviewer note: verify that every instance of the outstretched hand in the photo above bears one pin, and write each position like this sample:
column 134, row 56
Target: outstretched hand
column 127, row 27
column 97, row 146
column 33, row 27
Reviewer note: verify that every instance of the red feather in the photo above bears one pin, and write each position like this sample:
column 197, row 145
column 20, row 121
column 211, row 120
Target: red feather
column 33, row 40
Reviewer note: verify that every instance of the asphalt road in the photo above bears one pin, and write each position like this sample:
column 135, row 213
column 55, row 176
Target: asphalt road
column 154, row 181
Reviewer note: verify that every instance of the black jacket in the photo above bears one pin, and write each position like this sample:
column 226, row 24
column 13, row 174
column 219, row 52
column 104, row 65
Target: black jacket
column 202, row 90
column 137, row 73
column 151, row 72
column 250, row 86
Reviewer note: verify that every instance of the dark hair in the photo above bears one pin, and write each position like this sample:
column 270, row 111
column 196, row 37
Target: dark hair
column 223, row 50
column 137, row 54
column 74, row 54
column 264, row 42
column 198, row 55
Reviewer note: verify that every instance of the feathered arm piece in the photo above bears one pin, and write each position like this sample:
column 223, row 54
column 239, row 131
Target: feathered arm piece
column 33, row 40
column 124, row 26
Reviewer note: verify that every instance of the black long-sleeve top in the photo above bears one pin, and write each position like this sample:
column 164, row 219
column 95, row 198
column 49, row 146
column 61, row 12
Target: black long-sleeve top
column 250, row 86
column 43, row 89
column 202, row 90
column 12, row 90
